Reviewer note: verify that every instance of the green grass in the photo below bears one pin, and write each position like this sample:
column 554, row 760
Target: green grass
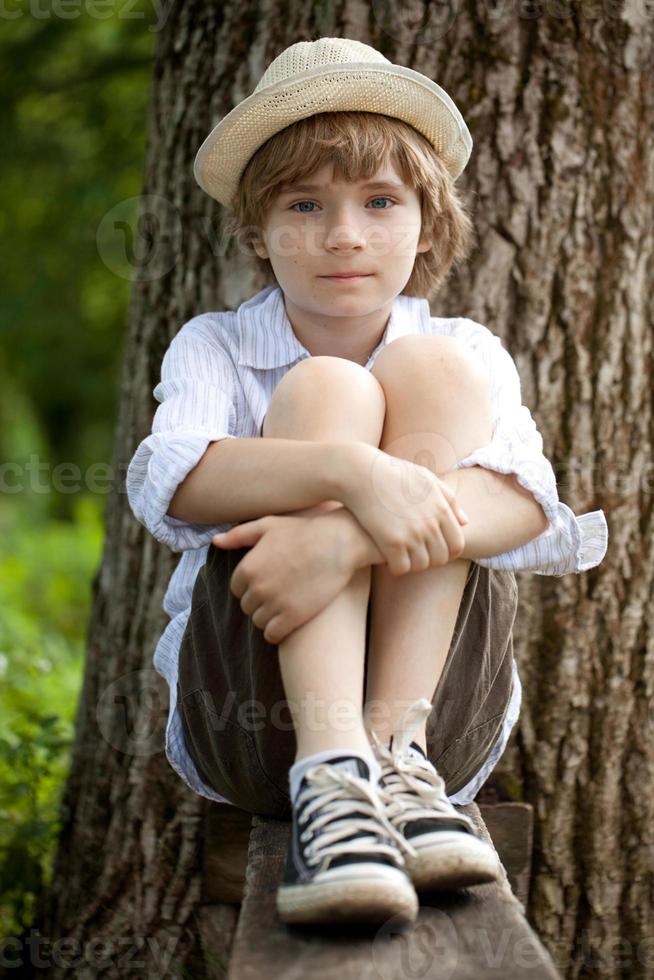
column 46, row 568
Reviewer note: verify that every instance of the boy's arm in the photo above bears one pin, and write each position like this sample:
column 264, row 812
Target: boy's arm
column 198, row 404
column 508, row 490
column 502, row 516
column 243, row 479
column 568, row 543
column 194, row 475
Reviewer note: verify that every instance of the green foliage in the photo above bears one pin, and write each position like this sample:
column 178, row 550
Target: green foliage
column 45, row 573
column 73, row 115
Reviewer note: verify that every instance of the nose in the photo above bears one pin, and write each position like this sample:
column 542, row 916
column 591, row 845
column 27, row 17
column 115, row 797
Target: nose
column 345, row 230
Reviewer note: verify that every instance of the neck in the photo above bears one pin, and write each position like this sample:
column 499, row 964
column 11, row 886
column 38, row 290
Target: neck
column 352, row 338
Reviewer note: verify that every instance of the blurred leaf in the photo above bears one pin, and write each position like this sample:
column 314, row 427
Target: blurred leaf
column 74, row 117
column 42, row 635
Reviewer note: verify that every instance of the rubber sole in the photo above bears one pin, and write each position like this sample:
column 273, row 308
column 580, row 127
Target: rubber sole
column 366, row 899
column 447, row 859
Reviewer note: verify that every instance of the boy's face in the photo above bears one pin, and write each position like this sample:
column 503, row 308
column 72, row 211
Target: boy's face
column 338, row 227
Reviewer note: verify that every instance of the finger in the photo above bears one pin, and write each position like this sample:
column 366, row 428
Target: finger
column 274, row 631
column 452, row 535
column 258, row 611
column 224, row 539
column 240, row 536
column 238, row 582
column 450, row 496
column 399, row 563
column 438, row 548
column 420, row 558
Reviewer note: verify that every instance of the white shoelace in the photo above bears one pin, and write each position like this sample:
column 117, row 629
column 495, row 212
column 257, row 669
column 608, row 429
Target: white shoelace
column 411, row 787
column 332, row 791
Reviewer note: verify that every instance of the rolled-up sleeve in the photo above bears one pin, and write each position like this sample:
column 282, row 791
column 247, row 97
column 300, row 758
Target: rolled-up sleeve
column 198, row 405
column 570, row 543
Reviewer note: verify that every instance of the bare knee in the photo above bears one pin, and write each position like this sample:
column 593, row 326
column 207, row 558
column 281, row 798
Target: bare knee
column 438, row 394
column 327, row 398
column 413, row 355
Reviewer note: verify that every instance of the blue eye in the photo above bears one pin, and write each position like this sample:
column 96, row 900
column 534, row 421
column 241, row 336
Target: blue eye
column 383, row 198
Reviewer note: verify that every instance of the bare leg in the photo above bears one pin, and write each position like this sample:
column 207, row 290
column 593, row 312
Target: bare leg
column 322, row 662
column 438, row 409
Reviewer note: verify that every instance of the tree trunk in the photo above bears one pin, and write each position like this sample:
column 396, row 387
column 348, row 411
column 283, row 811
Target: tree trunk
column 560, row 104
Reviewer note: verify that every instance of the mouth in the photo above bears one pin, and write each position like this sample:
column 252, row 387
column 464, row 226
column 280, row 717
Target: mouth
column 349, row 277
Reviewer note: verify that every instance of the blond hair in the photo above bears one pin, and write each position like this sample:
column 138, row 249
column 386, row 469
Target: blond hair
column 357, row 144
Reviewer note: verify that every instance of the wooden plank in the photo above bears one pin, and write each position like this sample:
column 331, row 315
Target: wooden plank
column 225, row 851
column 217, row 927
column 511, row 827
column 459, row 935
column 227, row 832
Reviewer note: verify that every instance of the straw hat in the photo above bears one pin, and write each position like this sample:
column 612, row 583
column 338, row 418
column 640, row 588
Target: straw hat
column 328, row 75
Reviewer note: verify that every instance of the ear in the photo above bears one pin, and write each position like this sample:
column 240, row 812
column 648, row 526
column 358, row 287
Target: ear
column 261, row 250
column 424, row 245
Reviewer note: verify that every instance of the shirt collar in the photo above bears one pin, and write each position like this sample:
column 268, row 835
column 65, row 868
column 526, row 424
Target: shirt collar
column 267, row 340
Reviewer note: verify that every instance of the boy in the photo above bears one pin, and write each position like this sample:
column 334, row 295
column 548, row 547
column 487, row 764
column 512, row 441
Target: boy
column 305, row 418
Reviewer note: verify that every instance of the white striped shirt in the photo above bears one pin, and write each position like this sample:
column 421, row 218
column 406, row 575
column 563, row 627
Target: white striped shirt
column 217, row 379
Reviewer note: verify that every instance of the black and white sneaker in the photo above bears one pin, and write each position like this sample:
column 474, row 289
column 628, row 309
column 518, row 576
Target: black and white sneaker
column 344, row 861
column 449, row 853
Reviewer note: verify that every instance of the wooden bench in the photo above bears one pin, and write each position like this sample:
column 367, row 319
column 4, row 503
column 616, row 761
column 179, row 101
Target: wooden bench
column 468, row 934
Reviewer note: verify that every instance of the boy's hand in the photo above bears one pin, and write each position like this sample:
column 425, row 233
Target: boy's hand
column 411, row 515
column 295, row 566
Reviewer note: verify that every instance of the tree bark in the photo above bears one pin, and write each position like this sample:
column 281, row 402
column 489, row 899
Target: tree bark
column 560, row 104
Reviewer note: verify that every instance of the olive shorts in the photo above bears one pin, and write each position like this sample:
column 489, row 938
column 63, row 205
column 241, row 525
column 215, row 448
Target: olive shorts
column 238, row 725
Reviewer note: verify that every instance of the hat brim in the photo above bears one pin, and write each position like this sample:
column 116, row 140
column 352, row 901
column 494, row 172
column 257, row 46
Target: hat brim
column 392, row 90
